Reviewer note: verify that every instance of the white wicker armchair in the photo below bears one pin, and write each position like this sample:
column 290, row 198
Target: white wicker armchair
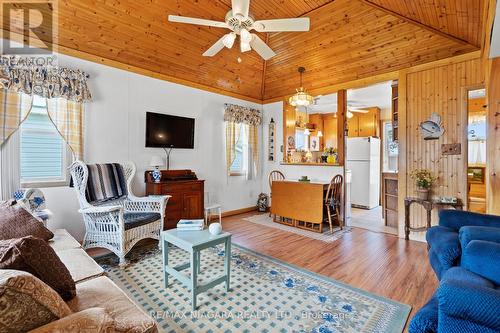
column 105, row 223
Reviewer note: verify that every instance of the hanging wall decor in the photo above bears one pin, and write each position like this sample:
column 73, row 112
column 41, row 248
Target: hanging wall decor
column 432, row 129
column 272, row 141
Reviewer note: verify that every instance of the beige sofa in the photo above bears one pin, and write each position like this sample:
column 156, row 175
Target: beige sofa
column 94, row 290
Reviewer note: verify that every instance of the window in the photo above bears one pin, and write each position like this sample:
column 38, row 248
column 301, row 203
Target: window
column 240, row 163
column 43, row 151
column 390, row 155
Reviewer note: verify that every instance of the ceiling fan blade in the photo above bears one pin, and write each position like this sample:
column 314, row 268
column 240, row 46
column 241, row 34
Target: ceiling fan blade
column 261, row 48
column 198, row 21
column 293, row 24
column 214, row 49
column 240, row 8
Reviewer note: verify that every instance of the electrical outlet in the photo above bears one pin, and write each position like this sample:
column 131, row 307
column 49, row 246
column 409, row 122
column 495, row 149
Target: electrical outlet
column 451, row 149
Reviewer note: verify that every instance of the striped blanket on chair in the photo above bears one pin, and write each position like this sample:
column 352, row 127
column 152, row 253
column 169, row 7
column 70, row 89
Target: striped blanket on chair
column 106, row 182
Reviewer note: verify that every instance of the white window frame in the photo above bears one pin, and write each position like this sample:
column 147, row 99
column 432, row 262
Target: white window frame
column 54, row 182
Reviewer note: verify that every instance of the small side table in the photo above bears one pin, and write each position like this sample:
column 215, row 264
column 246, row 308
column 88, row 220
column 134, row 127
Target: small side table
column 428, row 206
column 194, row 242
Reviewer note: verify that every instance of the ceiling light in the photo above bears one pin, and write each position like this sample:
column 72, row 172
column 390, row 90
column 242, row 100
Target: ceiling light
column 229, row 39
column 245, row 36
column 349, row 115
column 301, row 97
column 245, row 47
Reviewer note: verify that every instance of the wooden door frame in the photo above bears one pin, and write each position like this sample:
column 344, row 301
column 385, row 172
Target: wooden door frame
column 465, row 143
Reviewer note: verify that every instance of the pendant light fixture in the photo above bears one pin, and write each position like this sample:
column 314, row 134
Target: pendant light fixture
column 301, row 97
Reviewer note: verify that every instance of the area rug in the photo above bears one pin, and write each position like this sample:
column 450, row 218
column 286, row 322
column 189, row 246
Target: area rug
column 267, row 295
column 327, row 236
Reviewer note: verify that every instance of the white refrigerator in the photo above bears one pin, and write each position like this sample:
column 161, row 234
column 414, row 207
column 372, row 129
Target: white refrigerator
column 363, row 160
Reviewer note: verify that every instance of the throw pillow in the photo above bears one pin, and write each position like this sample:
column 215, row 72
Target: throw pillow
column 16, row 222
column 27, row 303
column 35, row 256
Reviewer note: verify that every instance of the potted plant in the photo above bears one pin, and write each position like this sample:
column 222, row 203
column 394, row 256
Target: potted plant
column 423, row 179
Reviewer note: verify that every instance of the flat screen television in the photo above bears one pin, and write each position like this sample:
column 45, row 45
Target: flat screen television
column 166, row 131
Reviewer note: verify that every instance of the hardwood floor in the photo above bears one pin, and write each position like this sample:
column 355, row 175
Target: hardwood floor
column 376, row 262
column 379, row 263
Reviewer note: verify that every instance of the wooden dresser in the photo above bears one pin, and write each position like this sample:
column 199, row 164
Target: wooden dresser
column 187, row 201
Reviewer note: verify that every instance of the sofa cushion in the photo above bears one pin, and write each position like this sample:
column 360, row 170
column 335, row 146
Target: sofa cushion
column 133, row 220
column 95, row 320
column 102, row 292
column 35, row 256
column 63, row 240
column 79, row 264
column 27, row 303
column 17, row 222
column 470, row 233
column 445, row 245
column 482, row 257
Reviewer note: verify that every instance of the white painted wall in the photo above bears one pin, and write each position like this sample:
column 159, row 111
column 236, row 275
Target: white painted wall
column 321, row 173
column 115, row 131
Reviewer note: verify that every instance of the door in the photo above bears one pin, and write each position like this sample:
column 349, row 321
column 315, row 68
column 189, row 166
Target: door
column 192, row 205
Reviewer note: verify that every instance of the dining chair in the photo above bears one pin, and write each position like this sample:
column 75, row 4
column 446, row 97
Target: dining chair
column 274, row 176
column 210, row 206
column 333, row 200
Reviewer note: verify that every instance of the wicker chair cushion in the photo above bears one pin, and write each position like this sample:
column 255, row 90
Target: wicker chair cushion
column 106, row 182
column 133, row 220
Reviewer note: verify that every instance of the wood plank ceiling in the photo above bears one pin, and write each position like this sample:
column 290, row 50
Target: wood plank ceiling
column 349, row 39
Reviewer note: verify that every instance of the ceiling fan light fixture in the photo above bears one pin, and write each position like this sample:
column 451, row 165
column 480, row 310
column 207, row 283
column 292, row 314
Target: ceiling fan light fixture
column 229, row 40
column 246, row 36
column 301, row 97
column 245, row 47
column 349, row 115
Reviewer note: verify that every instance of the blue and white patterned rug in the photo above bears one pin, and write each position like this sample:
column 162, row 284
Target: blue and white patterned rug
column 267, row 295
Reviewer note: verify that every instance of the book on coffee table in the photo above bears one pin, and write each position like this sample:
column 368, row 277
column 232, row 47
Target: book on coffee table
column 191, row 225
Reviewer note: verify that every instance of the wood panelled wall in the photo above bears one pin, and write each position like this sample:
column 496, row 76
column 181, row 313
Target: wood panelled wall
column 441, row 89
column 493, row 159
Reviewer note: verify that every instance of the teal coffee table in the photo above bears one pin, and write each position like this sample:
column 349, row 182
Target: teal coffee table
column 193, row 242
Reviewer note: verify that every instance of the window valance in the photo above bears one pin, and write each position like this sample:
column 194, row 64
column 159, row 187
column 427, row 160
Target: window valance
column 242, row 114
column 21, row 76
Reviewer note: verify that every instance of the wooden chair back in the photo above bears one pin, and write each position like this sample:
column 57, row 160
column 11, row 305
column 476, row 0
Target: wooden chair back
column 275, row 175
column 334, row 190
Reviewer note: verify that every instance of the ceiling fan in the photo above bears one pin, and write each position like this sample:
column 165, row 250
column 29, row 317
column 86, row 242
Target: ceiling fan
column 240, row 22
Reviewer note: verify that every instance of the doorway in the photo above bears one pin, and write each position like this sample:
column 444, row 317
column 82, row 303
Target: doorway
column 476, row 150
column 371, row 155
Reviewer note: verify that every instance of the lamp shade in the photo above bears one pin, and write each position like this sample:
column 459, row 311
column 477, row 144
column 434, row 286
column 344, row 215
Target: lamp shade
column 156, row 160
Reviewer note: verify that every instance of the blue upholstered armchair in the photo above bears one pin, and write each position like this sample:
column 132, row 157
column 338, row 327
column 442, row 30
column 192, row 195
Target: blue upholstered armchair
column 464, row 251
column 456, row 226
column 469, row 295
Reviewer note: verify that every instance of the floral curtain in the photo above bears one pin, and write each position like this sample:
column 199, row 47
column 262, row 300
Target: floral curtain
column 65, row 89
column 240, row 114
column 20, row 76
column 234, row 115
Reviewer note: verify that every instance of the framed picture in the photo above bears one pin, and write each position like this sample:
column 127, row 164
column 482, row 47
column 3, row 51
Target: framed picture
column 314, row 143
